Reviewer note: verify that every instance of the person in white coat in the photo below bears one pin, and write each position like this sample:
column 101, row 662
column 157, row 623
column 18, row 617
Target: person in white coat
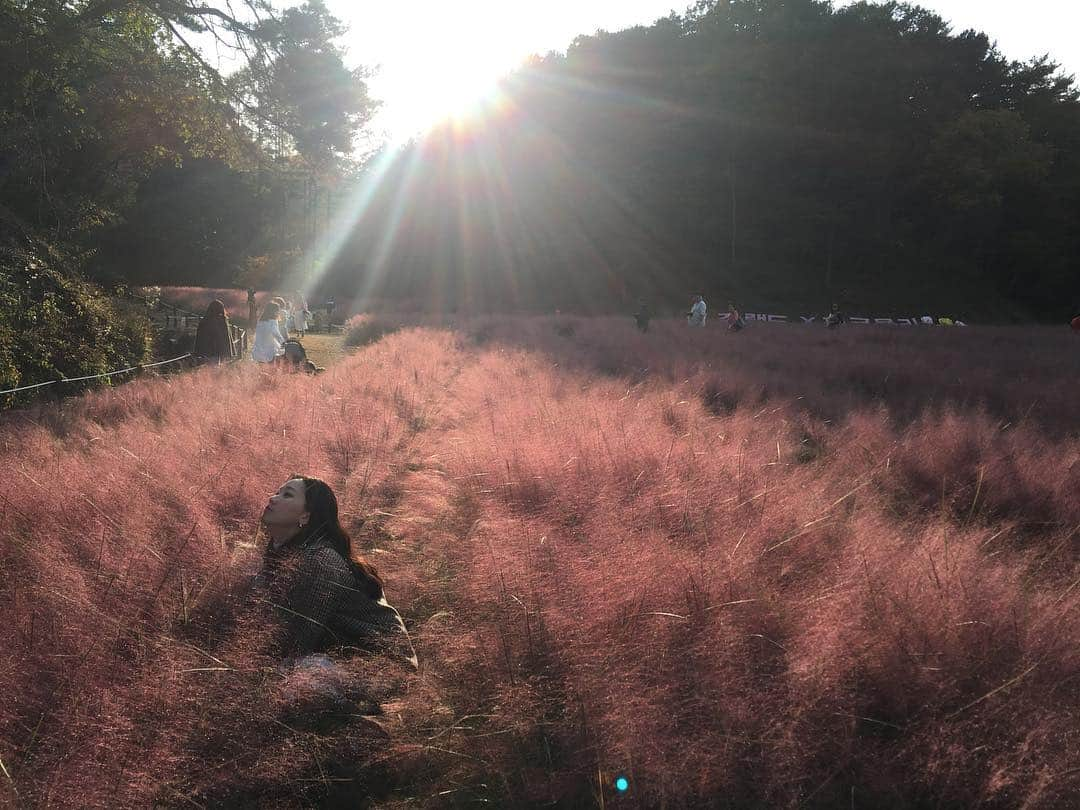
column 300, row 313
column 696, row 316
column 269, row 342
column 290, row 320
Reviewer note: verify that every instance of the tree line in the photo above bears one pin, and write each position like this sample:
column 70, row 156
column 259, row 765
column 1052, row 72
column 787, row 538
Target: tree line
column 780, row 153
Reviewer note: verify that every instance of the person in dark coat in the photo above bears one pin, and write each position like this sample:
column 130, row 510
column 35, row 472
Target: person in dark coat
column 326, row 599
column 213, row 342
column 835, row 318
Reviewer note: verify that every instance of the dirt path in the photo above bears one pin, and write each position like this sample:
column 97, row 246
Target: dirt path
column 324, row 350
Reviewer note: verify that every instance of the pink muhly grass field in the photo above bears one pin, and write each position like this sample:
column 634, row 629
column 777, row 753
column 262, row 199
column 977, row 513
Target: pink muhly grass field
column 195, row 299
column 785, row 568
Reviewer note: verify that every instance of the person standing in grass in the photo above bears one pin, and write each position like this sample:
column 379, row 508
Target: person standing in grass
column 282, row 316
column 835, row 318
column 300, row 313
column 326, row 599
column 696, row 316
column 734, row 319
column 269, row 343
column 642, row 316
column 213, row 343
column 290, row 317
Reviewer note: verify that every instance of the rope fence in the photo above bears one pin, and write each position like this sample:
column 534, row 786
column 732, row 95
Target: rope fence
column 128, row 370
column 176, row 317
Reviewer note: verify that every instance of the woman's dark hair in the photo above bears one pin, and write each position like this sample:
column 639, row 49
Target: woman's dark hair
column 212, row 338
column 322, row 506
column 216, row 309
column 270, row 312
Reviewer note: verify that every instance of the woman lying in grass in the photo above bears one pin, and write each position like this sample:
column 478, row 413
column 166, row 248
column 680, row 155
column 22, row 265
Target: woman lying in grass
column 325, row 599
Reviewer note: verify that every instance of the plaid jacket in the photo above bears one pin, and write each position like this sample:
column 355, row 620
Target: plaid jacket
column 320, row 605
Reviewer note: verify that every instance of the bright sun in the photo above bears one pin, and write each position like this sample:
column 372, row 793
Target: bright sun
column 424, row 98
column 456, row 62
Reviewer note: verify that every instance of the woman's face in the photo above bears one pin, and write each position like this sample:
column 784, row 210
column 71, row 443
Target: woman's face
column 286, row 507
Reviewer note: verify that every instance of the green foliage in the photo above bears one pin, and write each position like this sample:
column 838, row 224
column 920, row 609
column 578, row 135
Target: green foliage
column 317, row 98
column 304, row 106
column 89, row 110
column 194, row 223
column 984, row 155
column 55, row 325
column 125, row 157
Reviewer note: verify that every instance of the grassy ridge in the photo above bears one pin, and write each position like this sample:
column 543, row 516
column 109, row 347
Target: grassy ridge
column 780, row 568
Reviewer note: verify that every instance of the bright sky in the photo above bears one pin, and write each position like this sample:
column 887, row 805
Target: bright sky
column 435, row 57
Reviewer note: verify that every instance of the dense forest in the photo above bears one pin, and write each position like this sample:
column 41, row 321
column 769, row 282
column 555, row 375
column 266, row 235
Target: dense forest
column 783, row 154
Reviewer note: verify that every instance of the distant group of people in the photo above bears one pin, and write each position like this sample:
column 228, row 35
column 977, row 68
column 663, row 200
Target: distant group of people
column 698, row 313
column 272, row 341
column 697, row 316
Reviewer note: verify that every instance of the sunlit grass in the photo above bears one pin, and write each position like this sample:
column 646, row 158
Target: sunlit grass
column 719, row 565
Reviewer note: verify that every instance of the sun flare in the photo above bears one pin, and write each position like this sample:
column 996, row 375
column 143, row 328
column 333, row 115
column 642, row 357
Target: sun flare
column 457, row 65
column 428, row 98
